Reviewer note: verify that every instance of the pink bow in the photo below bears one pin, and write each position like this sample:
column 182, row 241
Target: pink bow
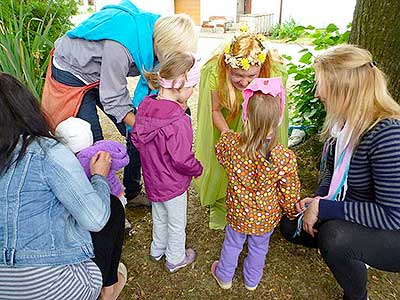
column 192, row 77
column 271, row 86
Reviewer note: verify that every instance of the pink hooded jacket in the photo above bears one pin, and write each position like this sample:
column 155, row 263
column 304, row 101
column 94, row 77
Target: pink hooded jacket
column 163, row 135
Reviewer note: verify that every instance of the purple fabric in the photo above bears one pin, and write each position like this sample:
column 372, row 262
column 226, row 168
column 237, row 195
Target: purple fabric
column 119, row 157
column 254, row 262
column 163, row 135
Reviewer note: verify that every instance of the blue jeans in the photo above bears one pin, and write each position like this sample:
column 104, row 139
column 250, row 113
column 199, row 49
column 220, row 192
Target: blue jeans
column 88, row 112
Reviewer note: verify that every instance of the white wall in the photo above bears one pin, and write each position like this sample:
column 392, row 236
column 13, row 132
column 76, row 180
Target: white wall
column 162, row 7
column 318, row 13
column 266, row 7
column 225, row 8
column 100, row 3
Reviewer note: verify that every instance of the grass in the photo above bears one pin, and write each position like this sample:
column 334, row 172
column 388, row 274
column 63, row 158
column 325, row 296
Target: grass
column 291, row 272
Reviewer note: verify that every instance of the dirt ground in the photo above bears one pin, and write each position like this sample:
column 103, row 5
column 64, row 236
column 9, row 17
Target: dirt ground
column 291, row 272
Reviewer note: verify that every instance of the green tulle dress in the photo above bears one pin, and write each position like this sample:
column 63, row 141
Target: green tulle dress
column 212, row 184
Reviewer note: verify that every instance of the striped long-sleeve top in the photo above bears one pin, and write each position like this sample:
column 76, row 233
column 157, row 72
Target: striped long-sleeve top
column 373, row 194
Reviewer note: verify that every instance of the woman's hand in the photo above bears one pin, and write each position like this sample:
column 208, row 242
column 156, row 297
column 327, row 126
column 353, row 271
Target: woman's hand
column 303, row 203
column 100, row 163
column 129, row 119
column 311, row 217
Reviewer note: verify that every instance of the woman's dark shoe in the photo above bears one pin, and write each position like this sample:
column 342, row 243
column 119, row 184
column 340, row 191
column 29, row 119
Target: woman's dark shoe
column 137, row 201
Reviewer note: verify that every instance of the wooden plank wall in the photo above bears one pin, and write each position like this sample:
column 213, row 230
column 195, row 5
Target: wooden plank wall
column 190, row 7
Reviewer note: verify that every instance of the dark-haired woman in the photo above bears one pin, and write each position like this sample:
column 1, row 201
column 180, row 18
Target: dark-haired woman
column 47, row 206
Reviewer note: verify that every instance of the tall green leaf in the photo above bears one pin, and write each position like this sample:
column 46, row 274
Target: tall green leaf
column 26, row 41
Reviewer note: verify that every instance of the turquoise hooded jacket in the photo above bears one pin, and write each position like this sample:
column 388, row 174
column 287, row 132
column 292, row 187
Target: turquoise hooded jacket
column 129, row 26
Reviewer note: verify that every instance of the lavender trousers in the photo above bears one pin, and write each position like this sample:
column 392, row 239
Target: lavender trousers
column 254, row 262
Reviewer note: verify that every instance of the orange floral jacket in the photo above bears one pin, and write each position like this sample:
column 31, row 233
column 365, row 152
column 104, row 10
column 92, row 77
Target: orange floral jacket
column 260, row 191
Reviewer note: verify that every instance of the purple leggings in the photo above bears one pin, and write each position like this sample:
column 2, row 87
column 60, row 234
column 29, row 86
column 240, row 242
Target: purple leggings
column 254, row 262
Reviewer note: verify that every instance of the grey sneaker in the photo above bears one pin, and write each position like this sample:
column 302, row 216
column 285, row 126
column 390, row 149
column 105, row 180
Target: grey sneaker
column 156, row 258
column 189, row 258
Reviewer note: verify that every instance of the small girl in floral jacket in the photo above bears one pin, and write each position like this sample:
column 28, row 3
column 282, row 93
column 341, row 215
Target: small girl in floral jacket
column 262, row 182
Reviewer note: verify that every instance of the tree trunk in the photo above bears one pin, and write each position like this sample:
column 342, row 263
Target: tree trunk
column 376, row 27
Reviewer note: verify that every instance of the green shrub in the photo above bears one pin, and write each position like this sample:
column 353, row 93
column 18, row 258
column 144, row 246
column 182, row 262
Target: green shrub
column 308, row 110
column 288, row 30
column 28, row 29
column 59, row 10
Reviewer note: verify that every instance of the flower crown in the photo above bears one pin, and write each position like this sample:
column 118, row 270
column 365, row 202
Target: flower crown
column 245, row 62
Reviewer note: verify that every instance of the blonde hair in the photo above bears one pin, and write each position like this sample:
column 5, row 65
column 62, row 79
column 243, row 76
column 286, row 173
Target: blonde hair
column 175, row 65
column 174, row 32
column 355, row 90
column 263, row 113
column 244, row 45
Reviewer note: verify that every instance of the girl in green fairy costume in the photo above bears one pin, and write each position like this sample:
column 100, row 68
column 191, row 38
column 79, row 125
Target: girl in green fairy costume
column 222, row 80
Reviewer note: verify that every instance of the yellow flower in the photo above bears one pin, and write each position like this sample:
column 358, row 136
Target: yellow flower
column 261, row 37
column 261, row 57
column 244, row 62
column 244, row 28
column 227, row 48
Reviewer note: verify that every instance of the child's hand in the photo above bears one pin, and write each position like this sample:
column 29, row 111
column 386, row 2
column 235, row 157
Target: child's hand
column 100, row 163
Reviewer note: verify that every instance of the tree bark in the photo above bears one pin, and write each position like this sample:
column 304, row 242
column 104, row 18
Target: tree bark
column 376, row 27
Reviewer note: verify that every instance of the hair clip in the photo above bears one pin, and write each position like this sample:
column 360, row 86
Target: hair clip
column 372, row 64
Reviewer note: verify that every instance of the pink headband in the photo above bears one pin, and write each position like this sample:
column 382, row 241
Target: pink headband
column 268, row 86
column 192, row 77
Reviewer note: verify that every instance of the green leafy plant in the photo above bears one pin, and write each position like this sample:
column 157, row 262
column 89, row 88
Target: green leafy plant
column 59, row 10
column 288, row 30
column 308, row 110
column 26, row 38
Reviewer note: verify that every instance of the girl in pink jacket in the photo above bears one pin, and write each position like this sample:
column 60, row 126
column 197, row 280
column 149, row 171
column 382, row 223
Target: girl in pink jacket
column 163, row 135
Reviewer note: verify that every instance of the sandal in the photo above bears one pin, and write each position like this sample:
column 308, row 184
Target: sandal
column 116, row 287
column 124, row 273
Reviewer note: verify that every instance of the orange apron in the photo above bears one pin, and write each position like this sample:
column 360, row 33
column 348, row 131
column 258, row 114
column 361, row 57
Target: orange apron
column 60, row 101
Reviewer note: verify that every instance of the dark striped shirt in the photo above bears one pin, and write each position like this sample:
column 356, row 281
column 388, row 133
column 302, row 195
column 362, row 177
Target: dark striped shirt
column 373, row 193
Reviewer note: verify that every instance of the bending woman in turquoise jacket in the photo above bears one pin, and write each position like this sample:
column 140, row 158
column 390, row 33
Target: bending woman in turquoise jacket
column 91, row 63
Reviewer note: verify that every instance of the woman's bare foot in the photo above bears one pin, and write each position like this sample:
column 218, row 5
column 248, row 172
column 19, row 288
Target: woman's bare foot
column 112, row 292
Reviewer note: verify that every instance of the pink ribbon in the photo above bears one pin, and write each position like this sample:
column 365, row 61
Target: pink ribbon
column 192, row 77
